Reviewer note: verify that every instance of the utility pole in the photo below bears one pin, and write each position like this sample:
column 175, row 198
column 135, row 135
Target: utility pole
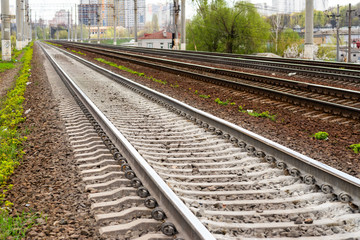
column 75, row 26
column 183, row 26
column 176, row 20
column 5, row 31
column 135, row 25
column 337, row 34
column 30, row 26
column 19, row 24
column 68, row 26
column 114, row 22
column 98, row 22
column 349, row 43
column 26, row 25
column 309, row 30
column 36, row 37
column 81, row 22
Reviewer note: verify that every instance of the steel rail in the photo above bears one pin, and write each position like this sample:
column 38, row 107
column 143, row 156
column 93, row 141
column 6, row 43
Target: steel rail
column 177, row 210
column 350, row 66
column 303, row 69
column 310, row 87
column 328, row 107
column 344, row 186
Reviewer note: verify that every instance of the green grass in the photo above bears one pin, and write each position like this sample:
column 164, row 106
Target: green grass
column 54, row 44
column 218, row 101
column 321, row 135
column 6, row 66
column 74, row 51
column 253, row 113
column 111, row 41
column 355, row 147
column 15, row 227
column 11, row 151
column 11, row 141
column 123, row 68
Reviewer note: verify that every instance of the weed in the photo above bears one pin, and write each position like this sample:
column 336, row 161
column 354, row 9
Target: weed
column 84, row 54
column 233, row 103
column 6, row 66
column 355, row 147
column 174, row 86
column 204, row 96
column 54, row 44
column 17, row 226
column 218, row 101
column 196, row 92
column 130, row 71
column 11, row 140
column 321, row 135
column 265, row 114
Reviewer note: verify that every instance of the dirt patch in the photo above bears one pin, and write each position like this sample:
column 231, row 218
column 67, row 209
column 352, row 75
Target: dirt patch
column 47, row 181
column 7, row 78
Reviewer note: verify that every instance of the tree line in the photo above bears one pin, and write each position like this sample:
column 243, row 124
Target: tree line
column 239, row 28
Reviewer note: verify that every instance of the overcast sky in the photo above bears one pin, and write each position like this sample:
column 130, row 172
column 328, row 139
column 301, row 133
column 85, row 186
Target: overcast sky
column 47, row 8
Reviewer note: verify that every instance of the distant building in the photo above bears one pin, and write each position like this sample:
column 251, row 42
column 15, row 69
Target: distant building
column 163, row 12
column 290, row 6
column 61, row 18
column 90, row 11
column 88, row 14
column 129, row 19
column 160, row 39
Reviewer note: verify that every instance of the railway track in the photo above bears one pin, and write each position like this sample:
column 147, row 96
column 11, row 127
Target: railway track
column 237, row 183
column 318, row 69
column 332, row 100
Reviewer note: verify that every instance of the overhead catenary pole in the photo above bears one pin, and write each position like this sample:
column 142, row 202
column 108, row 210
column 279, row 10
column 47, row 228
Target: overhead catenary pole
column 349, row 41
column 5, row 31
column 81, row 18
column 19, row 24
column 36, row 36
column 98, row 23
column 176, row 25
column 71, row 26
column 30, row 26
column 135, row 21
column 337, row 34
column 26, row 25
column 183, row 25
column 68, row 26
column 75, row 26
column 309, row 30
column 114, row 22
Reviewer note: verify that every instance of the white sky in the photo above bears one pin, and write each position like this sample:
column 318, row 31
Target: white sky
column 47, row 8
column 332, row 3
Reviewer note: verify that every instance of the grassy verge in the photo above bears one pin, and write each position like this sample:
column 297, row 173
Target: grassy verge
column 11, row 150
column 6, row 66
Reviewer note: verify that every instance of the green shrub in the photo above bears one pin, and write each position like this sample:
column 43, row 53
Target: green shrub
column 218, row 101
column 11, row 150
column 355, row 147
column 321, row 135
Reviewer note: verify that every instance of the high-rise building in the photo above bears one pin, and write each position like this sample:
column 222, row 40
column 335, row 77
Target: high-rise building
column 92, row 10
column 290, row 6
column 129, row 19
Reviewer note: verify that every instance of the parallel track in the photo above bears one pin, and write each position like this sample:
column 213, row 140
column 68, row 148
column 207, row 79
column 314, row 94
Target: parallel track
column 301, row 67
column 328, row 99
column 238, row 183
